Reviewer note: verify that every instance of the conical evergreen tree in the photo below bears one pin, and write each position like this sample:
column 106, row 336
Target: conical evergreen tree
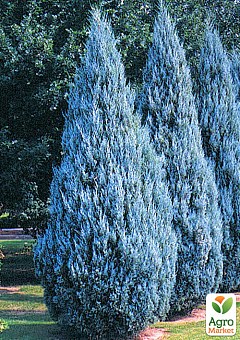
column 107, row 260
column 167, row 107
column 220, row 122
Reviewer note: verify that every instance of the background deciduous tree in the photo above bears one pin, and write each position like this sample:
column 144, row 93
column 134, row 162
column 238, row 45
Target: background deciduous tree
column 40, row 43
column 191, row 17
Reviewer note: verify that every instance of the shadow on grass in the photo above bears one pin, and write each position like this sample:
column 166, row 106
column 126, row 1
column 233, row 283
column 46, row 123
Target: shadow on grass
column 28, row 326
column 18, row 269
column 34, row 327
column 21, row 297
column 18, row 265
column 32, row 332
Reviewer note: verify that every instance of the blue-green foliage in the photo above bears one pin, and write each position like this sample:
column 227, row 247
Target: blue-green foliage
column 167, row 107
column 107, row 260
column 220, row 122
column 235, row 68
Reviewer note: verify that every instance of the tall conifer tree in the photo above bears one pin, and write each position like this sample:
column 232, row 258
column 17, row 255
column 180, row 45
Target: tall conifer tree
column 167, row 107
column 220, row 122
column 107, row 260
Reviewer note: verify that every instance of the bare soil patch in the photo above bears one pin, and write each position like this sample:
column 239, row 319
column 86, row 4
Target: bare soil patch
column 9, row 290
column 152, row 334
column 14, row 234
column 15, row 237
column 196, row 315
column 24, row 312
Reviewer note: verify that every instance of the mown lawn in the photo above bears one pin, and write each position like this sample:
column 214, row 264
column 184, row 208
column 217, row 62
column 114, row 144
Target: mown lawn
column 23, row 314
column 193, row 330
column 18, row 266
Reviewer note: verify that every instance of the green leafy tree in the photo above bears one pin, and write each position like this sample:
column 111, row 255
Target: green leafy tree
column 107, row 260
column 31, row 103
column 191, row 17
column 23, row 196
column 220, row 122
column 40, row 44
column 167, row 107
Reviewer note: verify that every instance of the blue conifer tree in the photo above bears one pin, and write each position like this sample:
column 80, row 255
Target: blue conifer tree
column 167, row 107
column 220, row 122
column 107, row 260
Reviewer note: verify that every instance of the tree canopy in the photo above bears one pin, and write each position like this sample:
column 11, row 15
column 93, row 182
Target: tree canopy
column 40, row 44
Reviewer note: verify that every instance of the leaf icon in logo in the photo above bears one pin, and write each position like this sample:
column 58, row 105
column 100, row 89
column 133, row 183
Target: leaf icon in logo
column 216, row 307
column 227, row 305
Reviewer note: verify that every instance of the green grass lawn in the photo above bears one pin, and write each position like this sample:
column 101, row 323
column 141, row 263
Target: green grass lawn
column 23, row 314
column 18, row 266
column 193, row 330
